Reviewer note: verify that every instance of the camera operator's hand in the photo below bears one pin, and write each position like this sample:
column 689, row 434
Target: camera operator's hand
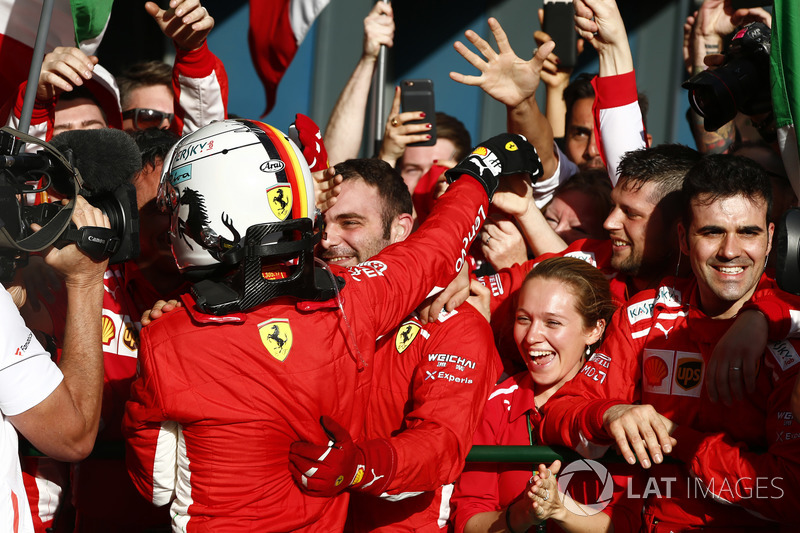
column 715, row 20
column 79, row 269
column 63, row 69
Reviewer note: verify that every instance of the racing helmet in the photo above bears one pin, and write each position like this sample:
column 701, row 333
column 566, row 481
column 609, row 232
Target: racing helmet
column 226, row 177
column 239, row 192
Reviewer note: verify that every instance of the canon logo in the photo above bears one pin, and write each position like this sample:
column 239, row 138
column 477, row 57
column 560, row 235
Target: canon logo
column 95, row 239
column 273, row 165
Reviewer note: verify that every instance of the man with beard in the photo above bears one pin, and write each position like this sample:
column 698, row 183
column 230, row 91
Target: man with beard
column 430, row 380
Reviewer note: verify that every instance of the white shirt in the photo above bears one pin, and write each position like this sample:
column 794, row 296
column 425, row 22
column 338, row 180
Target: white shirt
column 27, row 376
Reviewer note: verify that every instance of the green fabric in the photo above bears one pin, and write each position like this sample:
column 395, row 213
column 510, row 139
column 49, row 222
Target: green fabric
column 90, row 18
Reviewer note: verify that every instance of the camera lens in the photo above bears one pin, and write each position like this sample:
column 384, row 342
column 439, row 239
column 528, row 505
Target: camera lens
column 711, row 98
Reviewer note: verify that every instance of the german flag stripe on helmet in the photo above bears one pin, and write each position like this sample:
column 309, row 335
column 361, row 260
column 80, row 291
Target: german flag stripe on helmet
column 293, row 174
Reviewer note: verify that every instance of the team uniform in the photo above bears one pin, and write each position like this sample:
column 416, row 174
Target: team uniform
column 220, row 399
column 511, row 418
column 200, row 84
column 656, row 352
column 27, row 377
column 504, row 287
column 430, row 384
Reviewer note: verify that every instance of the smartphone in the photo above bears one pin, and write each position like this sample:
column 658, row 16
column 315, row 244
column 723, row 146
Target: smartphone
column 559, row 24
column 417, row 95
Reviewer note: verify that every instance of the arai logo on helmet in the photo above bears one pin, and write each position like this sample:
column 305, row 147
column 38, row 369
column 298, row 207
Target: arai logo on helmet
column 273, row 165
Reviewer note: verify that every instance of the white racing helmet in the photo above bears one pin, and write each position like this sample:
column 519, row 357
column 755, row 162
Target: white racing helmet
column 239, row 192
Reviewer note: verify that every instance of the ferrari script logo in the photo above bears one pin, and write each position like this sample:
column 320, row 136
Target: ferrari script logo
column 276, row 334
column 405, row 335
column 280, row 200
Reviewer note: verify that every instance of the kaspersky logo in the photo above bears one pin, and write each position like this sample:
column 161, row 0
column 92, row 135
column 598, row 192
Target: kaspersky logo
column 606, row 491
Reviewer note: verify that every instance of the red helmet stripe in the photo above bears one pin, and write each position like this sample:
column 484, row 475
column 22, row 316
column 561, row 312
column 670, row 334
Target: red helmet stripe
column 295, row 176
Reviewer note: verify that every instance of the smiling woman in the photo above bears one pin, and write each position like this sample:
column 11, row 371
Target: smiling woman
column 564, row 306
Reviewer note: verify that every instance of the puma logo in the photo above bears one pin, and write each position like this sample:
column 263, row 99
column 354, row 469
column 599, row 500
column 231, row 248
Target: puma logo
column 666, row 331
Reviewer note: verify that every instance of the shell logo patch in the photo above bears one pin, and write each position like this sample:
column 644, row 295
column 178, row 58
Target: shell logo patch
column 405, row 336
column 109, row 330
column 511, row 147
column 279, row 198
column 276, row 335
column 481, row 151
column 359, row 475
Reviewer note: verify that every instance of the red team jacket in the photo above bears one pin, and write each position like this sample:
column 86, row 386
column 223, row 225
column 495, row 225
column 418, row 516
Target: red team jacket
column 741, row 466
column 505, row 284
column 217, row 405
column 486, row 487
column 428, row 393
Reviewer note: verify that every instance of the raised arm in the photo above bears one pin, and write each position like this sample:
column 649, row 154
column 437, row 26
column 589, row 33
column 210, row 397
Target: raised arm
column 199, row 80
column 64, row 425
column 512, row 81
column 346, row 126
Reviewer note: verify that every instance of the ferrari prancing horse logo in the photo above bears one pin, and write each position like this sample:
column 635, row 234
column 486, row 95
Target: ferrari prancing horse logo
column 405, row 335
column 280, row 200
column 276, row 335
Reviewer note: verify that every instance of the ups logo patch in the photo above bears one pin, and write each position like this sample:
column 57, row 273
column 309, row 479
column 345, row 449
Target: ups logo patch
column 689, row 373
column 276, row 336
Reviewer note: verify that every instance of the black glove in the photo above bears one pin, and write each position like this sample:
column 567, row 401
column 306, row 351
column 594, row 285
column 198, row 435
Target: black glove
column 507, row 153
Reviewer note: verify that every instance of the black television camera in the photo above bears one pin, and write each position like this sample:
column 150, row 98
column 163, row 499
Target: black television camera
column 740, row 84
column 55, row 168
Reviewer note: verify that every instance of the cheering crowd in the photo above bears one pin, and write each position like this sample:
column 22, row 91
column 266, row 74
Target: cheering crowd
column 280, row 335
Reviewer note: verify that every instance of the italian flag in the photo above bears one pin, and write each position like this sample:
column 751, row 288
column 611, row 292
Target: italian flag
column 277, row 28
column 74, row 23
column 785, row 79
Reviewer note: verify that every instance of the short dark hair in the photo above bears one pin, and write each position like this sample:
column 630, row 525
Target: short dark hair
column 725, row 176
column 578, row 89
column 142, row 74
column 452, row 129
column 595, row 184
column 665, row 165
column 391, row 187
column 154, row 144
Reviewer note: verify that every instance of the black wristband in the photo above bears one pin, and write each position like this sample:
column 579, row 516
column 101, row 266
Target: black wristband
column 508, row 519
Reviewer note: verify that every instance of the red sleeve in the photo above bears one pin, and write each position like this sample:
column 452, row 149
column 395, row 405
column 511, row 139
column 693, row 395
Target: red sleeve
column 618, row 122
column 764, row 483
column 42, row 116
column 450, row 386
column 476, row 491
column 200, row 85
column 574, row 415
column 391, row 284
column 781, row 309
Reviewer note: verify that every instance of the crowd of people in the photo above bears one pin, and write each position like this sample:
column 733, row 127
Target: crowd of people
column 302, row 339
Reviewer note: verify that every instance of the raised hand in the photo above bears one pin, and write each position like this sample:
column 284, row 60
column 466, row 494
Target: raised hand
column 504, row 76
column 186, row 22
